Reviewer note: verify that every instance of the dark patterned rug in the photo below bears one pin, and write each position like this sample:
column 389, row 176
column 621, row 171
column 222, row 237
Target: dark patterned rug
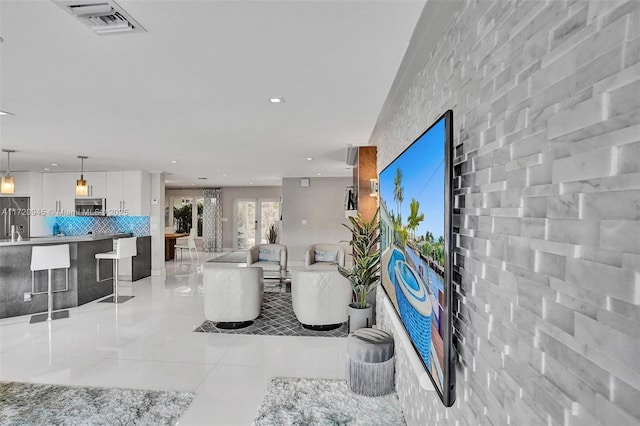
column 276, row 319
column 319, row 402
column 233, row 257
column 40, row 404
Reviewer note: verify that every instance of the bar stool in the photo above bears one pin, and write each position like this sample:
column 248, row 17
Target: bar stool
column 49, row 258
column 124, row 248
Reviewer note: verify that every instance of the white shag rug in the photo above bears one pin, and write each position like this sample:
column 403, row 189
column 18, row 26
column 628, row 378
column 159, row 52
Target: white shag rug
column 42, row 404
column 291, row 401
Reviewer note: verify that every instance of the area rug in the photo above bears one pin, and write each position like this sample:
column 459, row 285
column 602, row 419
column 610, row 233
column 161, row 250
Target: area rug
column 233, row 257
column 291, row 401
column 276, row 319
column 41, row 404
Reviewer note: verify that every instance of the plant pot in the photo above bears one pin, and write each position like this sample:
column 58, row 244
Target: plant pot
column 359, row 317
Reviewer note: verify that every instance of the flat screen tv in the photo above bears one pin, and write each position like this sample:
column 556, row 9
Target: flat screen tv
column 415, row 240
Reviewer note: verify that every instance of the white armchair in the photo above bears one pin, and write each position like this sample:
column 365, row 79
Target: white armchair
column 320, row 298
column 232, row 295
column 272, row 258
column 324, row 256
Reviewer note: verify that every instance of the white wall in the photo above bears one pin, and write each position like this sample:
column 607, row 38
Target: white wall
column 321, row 205
column 547, row 136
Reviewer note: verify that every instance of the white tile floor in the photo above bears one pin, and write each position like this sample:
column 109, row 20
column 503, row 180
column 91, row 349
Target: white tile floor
column 148, row 343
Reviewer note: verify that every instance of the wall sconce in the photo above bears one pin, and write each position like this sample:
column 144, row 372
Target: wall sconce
column 81, row 185
column 8, row 185
column 373, row 183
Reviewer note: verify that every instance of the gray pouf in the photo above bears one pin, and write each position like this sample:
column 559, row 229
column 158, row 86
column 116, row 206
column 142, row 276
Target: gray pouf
column 370, row 362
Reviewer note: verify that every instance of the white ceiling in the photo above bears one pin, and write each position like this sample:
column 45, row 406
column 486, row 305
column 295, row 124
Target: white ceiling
column 195, row 87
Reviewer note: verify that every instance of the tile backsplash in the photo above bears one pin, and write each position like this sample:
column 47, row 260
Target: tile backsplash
column 79, row 225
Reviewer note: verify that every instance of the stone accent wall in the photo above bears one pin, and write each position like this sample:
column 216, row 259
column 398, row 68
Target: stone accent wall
column 546, row 101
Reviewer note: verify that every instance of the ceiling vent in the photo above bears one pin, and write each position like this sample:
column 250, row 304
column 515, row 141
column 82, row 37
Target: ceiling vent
column 103, row 17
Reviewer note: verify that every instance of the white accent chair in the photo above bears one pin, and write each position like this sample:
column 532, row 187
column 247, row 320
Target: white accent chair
column 324, row 256
column 272, row 258
column 232, row 295
column 123, row 248
column 320, row 298
column 49, row 258
column 191, row 245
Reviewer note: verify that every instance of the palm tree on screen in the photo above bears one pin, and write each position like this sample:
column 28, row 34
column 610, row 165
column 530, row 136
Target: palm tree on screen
column 414, row 218
column 398, row 192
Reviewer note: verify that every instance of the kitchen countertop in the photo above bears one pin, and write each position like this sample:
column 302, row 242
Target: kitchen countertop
column 62, row 240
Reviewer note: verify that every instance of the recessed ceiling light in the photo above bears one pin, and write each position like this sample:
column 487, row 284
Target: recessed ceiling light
column 276, row 100
column 193, row 184
column 224, row 175
column 319, row 174
column 174, row 161
column 250, row 183
column 309, row 158
column 54, row 164
column 5, row 113
column 46, row 169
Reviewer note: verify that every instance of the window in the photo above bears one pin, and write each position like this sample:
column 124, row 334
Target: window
column 183, row 217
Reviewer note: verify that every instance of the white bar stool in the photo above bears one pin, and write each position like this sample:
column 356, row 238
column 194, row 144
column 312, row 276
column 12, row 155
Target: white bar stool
column 124, row 248
column 49, row 258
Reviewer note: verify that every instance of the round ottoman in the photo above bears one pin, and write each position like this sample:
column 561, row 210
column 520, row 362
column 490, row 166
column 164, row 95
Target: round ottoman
column 370, row 362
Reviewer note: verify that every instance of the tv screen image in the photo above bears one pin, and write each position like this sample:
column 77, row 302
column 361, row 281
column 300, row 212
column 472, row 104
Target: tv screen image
column 415, row 240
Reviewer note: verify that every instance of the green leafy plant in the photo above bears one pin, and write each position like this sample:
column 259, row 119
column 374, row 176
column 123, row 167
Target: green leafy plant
column 364, row 275
column 272, row 234
column 182, row 218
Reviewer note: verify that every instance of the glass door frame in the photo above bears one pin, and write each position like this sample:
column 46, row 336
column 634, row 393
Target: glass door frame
column 258, row 212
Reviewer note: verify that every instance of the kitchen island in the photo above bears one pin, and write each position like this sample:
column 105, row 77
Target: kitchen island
column 15, row 274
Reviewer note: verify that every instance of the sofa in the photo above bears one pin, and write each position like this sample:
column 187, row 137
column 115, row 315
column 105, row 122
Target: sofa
column 320, row 298
column 232, row 295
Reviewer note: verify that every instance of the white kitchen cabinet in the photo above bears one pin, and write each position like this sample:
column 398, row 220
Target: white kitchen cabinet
column 128, row 193
column 97, row 183
column 29, row 184
column 59, row 193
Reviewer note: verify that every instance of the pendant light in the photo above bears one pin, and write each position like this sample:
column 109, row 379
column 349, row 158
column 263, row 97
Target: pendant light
column 81, row 185
column 8, row 185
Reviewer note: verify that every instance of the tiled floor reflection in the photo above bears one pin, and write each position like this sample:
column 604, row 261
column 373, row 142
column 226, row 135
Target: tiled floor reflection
column 149, row 343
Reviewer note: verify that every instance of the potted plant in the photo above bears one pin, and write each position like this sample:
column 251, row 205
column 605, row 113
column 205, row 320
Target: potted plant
column 364, row 275
column 272, row 234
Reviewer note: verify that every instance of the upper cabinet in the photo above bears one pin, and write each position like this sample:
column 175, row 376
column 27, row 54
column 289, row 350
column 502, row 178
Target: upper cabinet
column 127, row 193
column 59, row 193
column 97, row 183
column 29, row 184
